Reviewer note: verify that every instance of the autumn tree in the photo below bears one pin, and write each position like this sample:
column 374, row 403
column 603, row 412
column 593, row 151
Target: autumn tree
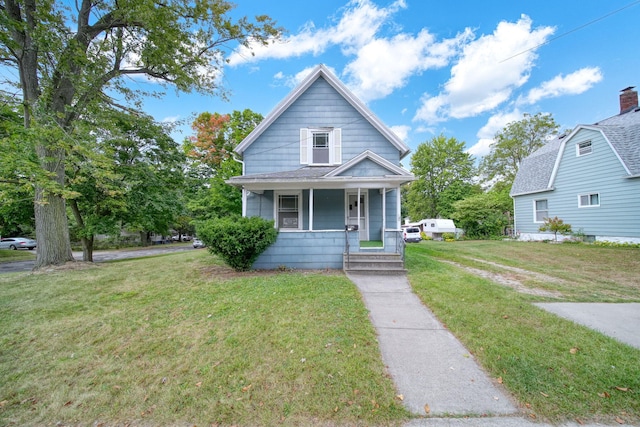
column 211, row 149
column 65, row 72
column 437, row 164
column 515, row 142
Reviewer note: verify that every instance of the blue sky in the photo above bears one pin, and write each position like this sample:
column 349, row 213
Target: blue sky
column 462, row 69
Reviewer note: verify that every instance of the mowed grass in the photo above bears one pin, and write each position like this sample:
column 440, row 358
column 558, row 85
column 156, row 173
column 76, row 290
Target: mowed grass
column 7, row 255
column 555, row 368
column 179, row 340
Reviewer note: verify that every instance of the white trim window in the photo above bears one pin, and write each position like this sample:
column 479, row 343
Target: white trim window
column 320, row 146
column 591, row 200
column 540, row 210
column 583, row 148
column 288, row 212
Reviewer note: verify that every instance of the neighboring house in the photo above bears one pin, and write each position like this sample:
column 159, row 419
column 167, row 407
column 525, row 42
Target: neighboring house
column 321, row 163
column 590, row 179
column 435, row 227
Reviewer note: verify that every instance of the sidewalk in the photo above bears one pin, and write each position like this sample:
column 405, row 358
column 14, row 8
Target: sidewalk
column 428, row 364
column 430, row 367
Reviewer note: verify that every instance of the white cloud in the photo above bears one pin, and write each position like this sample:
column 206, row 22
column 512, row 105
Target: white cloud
column 402, row 131
column 170, row 119
column 385, row 64
column 485, row 135
column 360, row 22
column 294, row 80
column 571, row 84
column 488, row 71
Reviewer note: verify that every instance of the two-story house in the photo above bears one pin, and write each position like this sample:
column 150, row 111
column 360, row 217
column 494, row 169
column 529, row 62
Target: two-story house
column 328, row 171
column 589, row 178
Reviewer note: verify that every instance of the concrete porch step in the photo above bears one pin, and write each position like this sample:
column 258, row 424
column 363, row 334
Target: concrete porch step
column 373, row 263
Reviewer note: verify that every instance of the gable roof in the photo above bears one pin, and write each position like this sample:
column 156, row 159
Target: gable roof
column 321, row 71
column 622, row 132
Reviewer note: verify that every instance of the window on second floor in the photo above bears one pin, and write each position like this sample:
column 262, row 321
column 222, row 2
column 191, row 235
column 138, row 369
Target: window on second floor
column 583, row 148
column 588, row 200
column 541, row 210
column 320, row 146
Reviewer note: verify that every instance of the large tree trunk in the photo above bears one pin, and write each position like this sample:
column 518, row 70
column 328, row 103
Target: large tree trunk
column 52, row 230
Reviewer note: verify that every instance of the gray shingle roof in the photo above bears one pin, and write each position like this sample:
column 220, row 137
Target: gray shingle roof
column 622, row 131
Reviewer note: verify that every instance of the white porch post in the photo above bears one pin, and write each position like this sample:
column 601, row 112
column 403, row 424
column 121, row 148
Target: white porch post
column 244, row 202
column 358, row 209
column 311, row 209
column 398, row 209
column 384, row 212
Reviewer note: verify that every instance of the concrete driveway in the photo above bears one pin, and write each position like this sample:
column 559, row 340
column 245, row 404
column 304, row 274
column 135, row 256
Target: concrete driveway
column 620, row 321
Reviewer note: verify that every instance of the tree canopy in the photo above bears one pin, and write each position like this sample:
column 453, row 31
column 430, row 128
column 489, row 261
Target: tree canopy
column 443, row 170
column 515, row 142
column 65, row 72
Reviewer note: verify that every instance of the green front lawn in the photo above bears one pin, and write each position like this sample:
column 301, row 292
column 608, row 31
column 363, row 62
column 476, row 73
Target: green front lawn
column 182, row 340
column 555, row 368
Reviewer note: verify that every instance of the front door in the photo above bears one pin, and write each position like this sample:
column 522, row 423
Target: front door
column 353, row 206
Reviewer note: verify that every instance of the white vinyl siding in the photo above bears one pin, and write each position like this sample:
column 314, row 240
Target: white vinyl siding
column 322, row 146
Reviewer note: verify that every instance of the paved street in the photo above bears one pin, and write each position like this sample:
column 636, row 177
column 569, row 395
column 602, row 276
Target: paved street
column 101, row 256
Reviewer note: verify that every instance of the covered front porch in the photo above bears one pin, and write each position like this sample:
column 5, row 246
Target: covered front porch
column 319, row 226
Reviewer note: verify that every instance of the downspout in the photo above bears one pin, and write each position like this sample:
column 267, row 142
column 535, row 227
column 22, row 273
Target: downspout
column 244, row 192
column 515, row 228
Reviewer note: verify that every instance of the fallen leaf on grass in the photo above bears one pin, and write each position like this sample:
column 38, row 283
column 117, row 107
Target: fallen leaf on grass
column 574, row 350
column 499, row 380
column 427, row 409
column 199, row 383
column 68, row 403
column 619, row 420
column 400, row 397
column 579, row 421
column 622, row 388
column 4, row 402
column 544, row 394
column 247, row 388
column 604, row 394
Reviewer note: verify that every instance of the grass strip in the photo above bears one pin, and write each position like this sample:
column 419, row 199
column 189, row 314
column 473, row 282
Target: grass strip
column 557, row 369
column 181, row 340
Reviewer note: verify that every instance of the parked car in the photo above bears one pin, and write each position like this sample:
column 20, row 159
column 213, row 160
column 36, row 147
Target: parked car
column 15, row 243
column 197, row 243
column 412, row 234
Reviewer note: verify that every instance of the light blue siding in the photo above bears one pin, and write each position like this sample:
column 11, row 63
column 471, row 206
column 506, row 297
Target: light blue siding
column 278, row 147
column 304, row 250
column 366, row 168
column 600, row 172
column 329, row 212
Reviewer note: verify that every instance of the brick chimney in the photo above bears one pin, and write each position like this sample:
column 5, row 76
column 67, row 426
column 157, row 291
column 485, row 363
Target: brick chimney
column 628, row 99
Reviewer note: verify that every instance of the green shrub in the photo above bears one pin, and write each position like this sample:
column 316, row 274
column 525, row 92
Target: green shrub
column 449, row 237
column 238, row 240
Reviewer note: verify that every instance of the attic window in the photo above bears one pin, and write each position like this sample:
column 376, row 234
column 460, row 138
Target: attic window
column 320, row 146
column 583, row 148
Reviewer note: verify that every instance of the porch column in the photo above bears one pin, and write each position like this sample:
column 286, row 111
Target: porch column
column 244, row 202
column 384, row 212
column 358, row 209
column 398, row 210
column 311, row 209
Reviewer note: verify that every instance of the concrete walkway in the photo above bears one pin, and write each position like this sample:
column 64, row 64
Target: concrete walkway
column 430, row 367
column 428, row 364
